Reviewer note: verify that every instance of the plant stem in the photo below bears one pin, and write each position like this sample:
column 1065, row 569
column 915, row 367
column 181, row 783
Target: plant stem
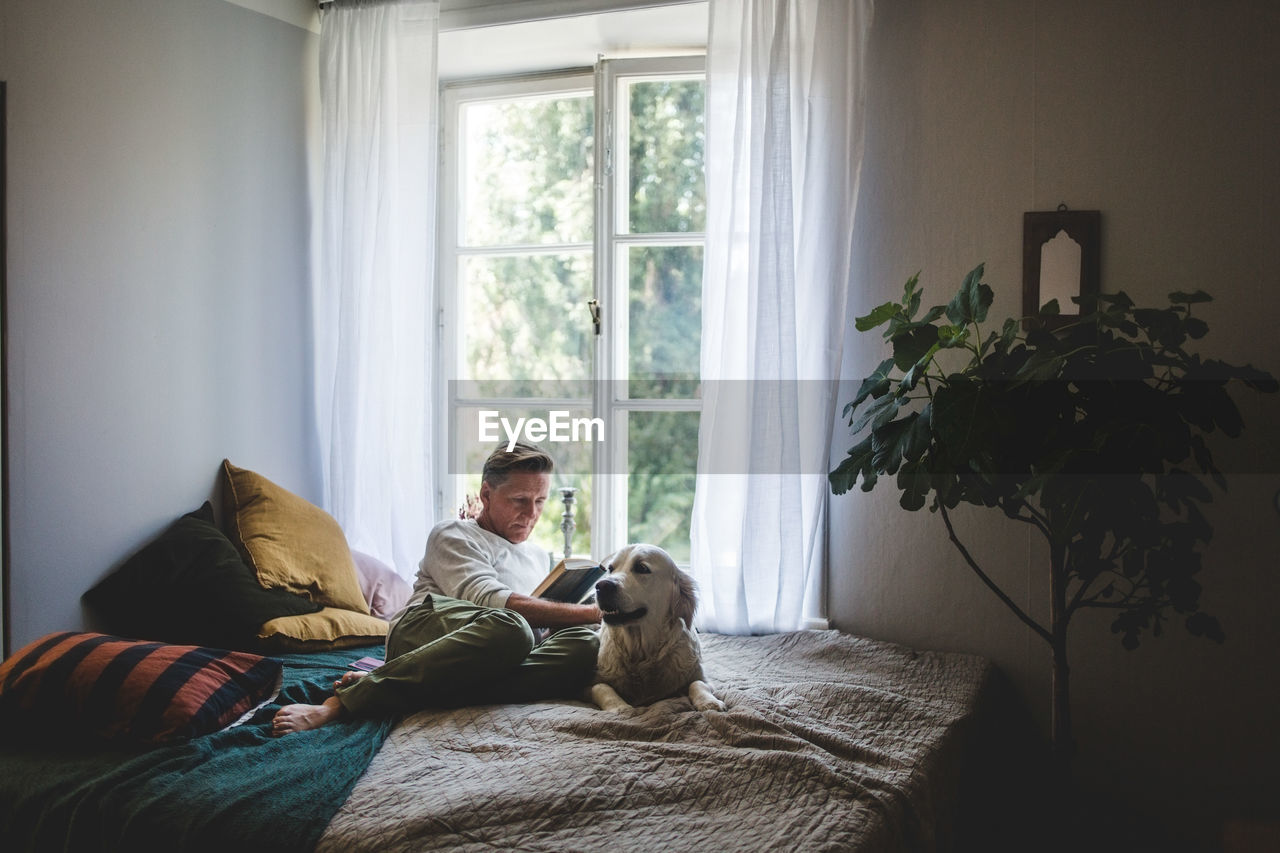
column 1059, row 617
column 968, row 558
column 1036, row 521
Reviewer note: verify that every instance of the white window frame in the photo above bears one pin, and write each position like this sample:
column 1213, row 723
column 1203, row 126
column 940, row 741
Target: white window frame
column 451, row 214
column 609, row 497
column 612, row 349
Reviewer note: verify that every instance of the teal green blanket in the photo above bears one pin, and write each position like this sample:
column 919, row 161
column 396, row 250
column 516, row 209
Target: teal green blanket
column 235, row 791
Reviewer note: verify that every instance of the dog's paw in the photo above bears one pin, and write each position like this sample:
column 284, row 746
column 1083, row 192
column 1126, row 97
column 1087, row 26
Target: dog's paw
column 607, row 699
column 702, row 697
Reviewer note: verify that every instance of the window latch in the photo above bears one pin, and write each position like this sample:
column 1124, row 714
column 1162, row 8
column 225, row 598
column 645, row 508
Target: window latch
column 593, row 305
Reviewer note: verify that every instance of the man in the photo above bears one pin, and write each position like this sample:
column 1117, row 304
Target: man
column 467, row 634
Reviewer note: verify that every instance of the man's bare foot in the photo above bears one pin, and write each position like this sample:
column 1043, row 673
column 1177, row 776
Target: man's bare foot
column 348, row 678
column 300, row 718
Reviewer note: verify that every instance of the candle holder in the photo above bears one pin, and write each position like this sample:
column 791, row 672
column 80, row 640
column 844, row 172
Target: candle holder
column 566, row 521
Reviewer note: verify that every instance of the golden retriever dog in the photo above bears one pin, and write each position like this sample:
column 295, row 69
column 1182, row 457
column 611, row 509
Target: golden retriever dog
column 648, row 648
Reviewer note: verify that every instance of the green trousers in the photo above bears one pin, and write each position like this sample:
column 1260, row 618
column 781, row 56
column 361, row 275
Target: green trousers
column 449, row 653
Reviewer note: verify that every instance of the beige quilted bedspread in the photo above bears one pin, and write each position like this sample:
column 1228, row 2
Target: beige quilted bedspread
column 829, row 742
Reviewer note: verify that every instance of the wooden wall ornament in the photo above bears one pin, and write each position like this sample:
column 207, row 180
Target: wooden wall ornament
column 1061, row 258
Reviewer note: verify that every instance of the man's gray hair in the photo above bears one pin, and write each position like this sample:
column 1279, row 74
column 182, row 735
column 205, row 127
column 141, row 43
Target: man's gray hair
column 502, row 463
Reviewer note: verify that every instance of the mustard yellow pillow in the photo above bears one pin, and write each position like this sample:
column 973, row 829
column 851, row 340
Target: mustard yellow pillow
column 331, row 628
column 289, row 543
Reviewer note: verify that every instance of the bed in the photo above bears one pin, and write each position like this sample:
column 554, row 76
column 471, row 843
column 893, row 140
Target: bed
column 828, row 742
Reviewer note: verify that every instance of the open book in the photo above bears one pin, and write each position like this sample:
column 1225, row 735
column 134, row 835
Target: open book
column 571, row 580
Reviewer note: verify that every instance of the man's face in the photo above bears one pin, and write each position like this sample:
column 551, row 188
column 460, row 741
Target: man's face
column 513, row 508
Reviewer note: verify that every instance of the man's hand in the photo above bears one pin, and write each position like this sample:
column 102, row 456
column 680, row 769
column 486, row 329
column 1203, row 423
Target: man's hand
column 541, row 613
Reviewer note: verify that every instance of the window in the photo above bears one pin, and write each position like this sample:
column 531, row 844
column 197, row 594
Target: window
column 570, row 270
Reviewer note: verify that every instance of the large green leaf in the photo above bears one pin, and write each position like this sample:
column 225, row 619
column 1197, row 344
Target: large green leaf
column 905, row 438
column 857, row 462
column 917, row 372
column 932, row 314
column 971, row 302
column 1118, row 300
column 1207, row 404
column 1178, row 488
column 1196, row 328
column 961, row 419
column 879, row 411
column 915, row 482
column 952, row 336
column 874, row 385
column 911, row 296
column 1008, row 335
column 1204, row 458
column 1203, row 625
column 1162, row 325
column 918, row 440
column 888, row 442
column 1042, row 366
column 1258, row 380
column 910, row 346
column 878, row 316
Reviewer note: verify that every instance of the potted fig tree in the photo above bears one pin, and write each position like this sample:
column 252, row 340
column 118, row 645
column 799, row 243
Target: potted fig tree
column 1090, row 430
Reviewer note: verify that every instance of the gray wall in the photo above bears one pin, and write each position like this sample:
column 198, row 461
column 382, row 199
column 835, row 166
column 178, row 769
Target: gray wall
column 1164, row 116
column 158, row 265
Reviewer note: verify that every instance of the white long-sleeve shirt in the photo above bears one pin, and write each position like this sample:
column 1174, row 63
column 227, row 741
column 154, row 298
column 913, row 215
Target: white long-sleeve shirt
column 463, row 560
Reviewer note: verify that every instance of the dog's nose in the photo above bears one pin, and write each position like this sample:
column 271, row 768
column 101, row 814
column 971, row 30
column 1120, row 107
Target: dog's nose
column 606, row 590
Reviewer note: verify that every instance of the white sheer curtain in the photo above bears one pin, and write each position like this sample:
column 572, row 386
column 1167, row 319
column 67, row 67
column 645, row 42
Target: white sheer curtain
column 785, row 105
column 372, row 296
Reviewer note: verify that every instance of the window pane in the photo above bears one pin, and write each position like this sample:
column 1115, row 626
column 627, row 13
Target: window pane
column 662, row 450
column 666, row 143
column 572, row 458
column 527, row 173
column 665, row 320
column 524, row 318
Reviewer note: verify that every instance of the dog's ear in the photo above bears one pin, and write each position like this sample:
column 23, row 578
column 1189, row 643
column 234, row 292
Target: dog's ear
column 685, row 598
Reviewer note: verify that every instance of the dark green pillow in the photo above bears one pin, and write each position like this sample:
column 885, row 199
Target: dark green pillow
column 189, row 585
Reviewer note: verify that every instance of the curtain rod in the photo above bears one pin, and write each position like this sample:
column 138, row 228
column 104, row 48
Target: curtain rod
column 473, row 14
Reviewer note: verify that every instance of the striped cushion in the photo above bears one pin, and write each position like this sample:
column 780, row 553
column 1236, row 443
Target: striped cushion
column 107, row 687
